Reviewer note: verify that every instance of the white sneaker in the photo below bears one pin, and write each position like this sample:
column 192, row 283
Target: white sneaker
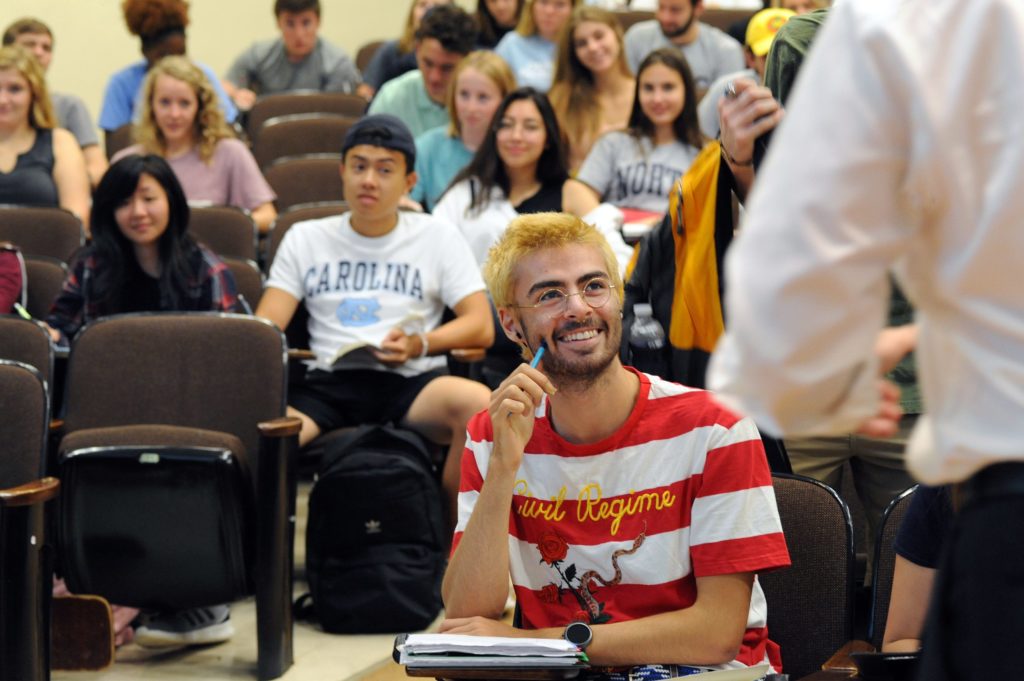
column 195, row 626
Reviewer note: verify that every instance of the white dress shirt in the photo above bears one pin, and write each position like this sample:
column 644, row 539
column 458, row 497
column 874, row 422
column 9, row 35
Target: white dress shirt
column 903, row 147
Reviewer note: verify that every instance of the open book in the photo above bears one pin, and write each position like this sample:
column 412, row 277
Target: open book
column 360, row 352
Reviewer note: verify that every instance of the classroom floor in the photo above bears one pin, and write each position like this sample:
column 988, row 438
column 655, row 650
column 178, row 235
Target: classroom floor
column 319, row 656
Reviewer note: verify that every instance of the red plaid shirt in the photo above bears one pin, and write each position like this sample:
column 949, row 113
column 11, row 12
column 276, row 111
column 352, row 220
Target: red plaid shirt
column 211, row 287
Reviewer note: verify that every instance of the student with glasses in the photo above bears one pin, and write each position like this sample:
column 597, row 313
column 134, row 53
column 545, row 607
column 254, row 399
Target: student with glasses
column 630, row 513
column 519, row 168
column 595, row 292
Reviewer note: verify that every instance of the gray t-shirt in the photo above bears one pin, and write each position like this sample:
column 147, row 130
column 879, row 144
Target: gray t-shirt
column 707, row 110
column 74, row 117
column 712, row 55
column 265, row 69
column 635, row 174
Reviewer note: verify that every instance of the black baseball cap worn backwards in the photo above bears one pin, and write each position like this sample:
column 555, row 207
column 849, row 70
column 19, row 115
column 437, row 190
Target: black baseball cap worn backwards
column 382, row 130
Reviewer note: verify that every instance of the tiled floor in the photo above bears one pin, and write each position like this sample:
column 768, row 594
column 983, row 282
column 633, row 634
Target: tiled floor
column 319, row 656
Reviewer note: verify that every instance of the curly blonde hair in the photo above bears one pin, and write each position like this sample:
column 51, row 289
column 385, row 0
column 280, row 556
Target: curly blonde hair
column 209, row 126
column 17, row 58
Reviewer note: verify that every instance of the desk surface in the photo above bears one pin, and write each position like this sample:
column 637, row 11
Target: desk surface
column 509, row 674
column 830, row 675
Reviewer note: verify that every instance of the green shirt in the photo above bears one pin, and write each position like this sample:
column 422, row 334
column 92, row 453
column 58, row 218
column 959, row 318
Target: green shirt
column 406, row 97
column 905, row 373
column 788, row 50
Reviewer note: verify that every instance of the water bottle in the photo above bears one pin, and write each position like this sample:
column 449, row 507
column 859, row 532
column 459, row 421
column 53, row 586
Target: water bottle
column 647, row 341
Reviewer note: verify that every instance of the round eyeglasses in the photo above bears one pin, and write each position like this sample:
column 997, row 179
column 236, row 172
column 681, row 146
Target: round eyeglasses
column 595, row 293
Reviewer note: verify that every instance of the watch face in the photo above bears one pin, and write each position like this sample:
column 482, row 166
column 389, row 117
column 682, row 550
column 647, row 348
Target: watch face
column 578, row 633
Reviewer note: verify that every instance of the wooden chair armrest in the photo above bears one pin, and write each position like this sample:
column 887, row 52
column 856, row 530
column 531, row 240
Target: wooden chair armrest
column 275, row 537
column 30, row 493
column 468, row 355
column 841, row 660
column 300, row 354
column 280, row 427
column 56, row 425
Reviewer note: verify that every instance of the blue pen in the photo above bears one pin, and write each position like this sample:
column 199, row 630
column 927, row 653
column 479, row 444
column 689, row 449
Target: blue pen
column 536, row 358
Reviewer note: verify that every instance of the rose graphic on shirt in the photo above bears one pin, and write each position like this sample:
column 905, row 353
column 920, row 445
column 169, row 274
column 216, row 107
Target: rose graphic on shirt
column 358, row 311
column 550, row 594
column 554, row 549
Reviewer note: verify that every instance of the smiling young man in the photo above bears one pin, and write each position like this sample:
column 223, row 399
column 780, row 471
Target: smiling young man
column 446, row 35
column 631, row 513
column 361, row 275
column 299, row 60
column 710, row 52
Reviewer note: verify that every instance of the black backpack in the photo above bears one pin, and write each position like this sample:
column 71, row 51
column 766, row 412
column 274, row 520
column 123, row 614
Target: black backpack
column 375, row 538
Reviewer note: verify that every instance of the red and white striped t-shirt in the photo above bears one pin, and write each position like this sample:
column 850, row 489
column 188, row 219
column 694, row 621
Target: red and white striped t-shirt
column 681, row 490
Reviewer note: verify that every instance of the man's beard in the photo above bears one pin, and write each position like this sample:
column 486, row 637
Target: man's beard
column 680, row 31
column 581, row 373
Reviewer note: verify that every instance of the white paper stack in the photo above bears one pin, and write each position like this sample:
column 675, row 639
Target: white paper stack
column 455, row 650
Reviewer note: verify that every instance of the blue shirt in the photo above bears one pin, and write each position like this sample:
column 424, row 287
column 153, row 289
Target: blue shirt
column 532, row 59
column 439, row 158
column 120, row 100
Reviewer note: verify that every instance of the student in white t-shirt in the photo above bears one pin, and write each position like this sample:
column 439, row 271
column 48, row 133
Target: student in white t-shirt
column 364, row 276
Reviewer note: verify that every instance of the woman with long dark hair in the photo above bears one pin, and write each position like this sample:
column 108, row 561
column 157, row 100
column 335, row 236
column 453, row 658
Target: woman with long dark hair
column 141, row 257
column 638, row 167
column 519, row 168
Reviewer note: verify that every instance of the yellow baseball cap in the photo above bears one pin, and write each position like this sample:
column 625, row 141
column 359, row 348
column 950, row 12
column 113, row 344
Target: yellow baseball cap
column 762, row 29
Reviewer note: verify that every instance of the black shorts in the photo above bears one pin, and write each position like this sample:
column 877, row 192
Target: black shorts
column 338, row 399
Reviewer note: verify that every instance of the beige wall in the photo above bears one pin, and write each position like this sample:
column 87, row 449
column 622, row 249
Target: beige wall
column 92, row 41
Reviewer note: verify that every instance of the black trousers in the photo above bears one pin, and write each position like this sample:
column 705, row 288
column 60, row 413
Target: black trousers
column 975, row 625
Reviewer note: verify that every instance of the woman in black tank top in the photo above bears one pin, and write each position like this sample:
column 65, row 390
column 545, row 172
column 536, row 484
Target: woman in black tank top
column 40, row 165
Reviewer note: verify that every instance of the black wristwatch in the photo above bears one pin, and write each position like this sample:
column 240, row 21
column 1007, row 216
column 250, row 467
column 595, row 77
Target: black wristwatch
column 579, row 633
